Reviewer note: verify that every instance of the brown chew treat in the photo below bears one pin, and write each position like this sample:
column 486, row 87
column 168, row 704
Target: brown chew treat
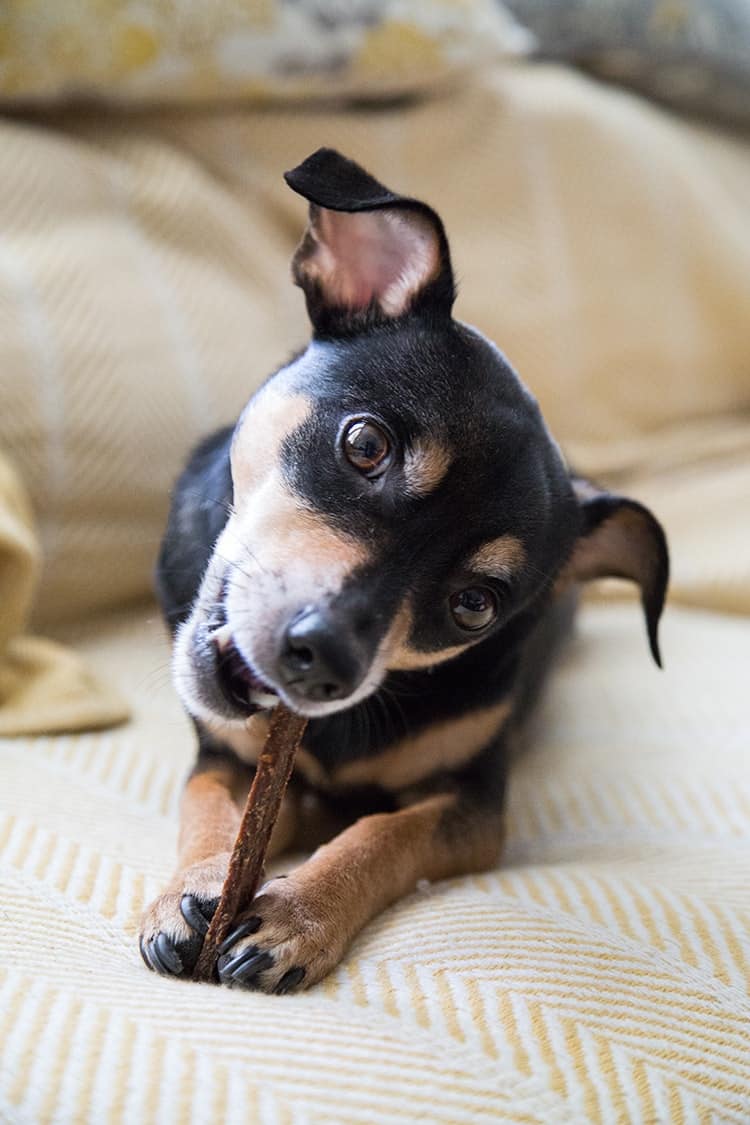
column 272, row 773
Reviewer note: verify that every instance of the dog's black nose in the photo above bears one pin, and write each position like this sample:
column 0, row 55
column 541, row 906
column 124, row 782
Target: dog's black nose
column 320, row 659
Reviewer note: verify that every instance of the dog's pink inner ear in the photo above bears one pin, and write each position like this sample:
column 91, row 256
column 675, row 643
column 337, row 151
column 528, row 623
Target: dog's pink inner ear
column 381, row 257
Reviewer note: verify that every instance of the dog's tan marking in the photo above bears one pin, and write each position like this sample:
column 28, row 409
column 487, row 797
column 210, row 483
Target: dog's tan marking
column 269, row 418
column 211, row 810
column 310, row 917
column 282, row 530
column 411, row 659
column 285, row 533
column 247, row 742
column 443, row 746
column 209, row 813
column 500, row 557
column 425, row 465
column 399, row 657
column 310, row 767
column 294, row 559
column 245, row 739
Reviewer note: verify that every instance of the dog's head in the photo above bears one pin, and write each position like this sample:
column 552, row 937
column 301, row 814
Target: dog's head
column 397, row 496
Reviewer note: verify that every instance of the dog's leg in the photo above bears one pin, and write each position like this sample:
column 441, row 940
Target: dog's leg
column 299, row 926
column 173, row 926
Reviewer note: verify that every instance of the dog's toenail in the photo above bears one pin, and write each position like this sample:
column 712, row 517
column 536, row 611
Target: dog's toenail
column 246, row 968
column 143, row 946
column 196, row 914
column 168, row 955
column 229, row 962
column 250, row 926
column 290, row 980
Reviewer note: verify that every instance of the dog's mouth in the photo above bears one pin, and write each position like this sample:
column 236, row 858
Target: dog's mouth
column 238, row 682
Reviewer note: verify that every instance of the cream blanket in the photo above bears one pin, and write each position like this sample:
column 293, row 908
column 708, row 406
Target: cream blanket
column 602, row 974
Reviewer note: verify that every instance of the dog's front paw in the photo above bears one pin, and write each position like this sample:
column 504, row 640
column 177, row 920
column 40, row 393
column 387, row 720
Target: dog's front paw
column 174, row 925
column 286, row 940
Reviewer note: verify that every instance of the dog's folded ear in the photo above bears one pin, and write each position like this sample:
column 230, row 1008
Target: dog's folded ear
column 367, row 255
column 621, row 538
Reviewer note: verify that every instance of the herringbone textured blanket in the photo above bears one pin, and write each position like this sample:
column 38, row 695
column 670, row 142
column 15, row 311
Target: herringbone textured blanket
column 600, row 975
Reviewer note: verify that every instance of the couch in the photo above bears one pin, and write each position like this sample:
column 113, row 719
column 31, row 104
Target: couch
column 601, row 973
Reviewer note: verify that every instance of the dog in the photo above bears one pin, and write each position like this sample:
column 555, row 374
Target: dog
column 389, row 541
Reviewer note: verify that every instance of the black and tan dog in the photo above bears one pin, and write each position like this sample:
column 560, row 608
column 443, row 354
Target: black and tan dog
column 384, row 541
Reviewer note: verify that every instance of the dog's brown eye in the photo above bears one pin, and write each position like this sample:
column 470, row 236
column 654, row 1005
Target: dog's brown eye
column 366, row 446
column 474, row 608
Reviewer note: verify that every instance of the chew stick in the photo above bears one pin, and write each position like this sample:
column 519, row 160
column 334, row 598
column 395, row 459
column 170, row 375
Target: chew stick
column 263, row 803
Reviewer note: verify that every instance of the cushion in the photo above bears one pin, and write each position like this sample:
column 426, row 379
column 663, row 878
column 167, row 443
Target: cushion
column 600, row 974
column 689, row 54
column 134, row 51
column 145, row 291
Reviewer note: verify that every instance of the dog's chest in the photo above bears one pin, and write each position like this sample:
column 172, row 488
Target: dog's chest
column 327, row 759
column 335, row 755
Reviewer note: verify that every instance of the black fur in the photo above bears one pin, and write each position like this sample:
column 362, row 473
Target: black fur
column 199, row 510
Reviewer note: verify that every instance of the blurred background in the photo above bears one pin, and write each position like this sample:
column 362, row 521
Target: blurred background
column 592, row 166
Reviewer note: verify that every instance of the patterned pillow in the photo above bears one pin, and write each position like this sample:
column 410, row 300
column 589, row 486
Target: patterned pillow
column 172, row 50
column 692, row 54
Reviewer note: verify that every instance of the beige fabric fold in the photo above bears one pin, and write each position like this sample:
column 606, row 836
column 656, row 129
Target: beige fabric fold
column 44, row 687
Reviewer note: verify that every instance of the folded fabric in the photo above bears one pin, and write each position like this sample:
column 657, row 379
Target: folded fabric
column 44, row 687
